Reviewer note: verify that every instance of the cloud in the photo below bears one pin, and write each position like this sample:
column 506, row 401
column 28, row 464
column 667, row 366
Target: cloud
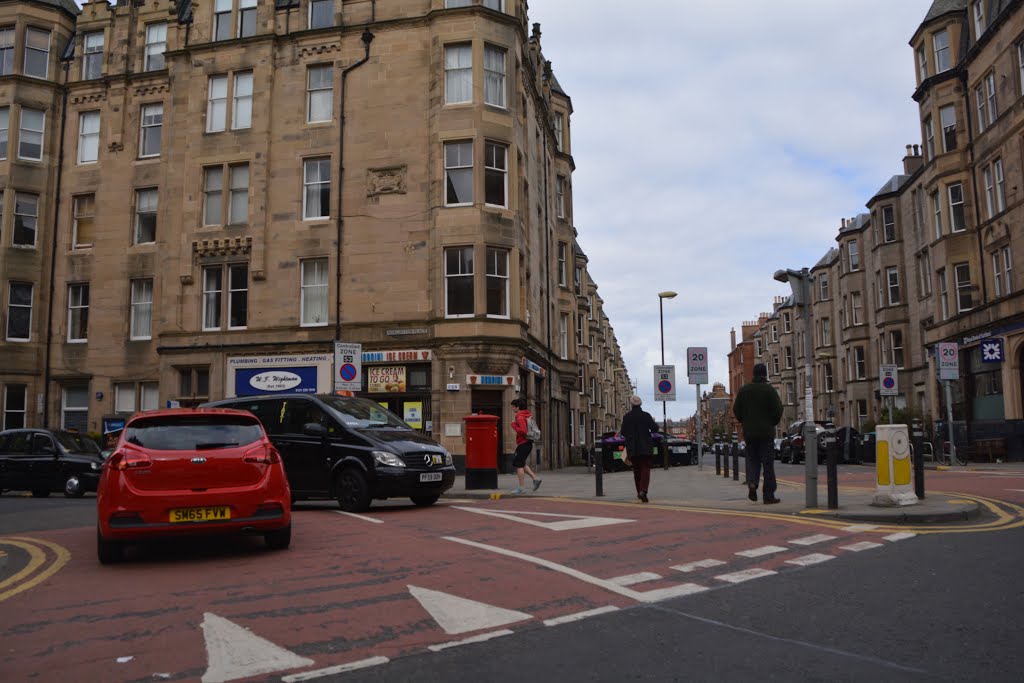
column 717, row 142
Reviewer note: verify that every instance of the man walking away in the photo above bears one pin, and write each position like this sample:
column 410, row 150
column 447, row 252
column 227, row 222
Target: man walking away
column 637, row 427
column 759, row 408
column 523, row 446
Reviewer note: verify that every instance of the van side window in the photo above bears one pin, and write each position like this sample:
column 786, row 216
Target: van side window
column 42, row 443
column 268, row 412
column 301, row 412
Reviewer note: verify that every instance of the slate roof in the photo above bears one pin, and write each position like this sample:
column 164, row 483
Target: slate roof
column 892, row 185
column 856, row 224
column 830, row 256
column 940, row 7
column 66, row 5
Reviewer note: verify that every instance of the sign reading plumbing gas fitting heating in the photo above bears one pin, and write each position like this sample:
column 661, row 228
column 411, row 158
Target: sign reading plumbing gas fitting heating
column 664, row 382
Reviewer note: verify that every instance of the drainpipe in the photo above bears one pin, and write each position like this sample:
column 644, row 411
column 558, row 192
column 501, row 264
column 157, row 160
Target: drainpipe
column 974, row 186
column 547, row 268
column 53, row 246
column 367, row 38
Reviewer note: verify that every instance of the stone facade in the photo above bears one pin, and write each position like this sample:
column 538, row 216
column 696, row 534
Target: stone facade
column 234, row 192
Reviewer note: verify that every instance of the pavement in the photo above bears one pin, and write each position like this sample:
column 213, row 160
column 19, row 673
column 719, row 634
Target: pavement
column 690, row 486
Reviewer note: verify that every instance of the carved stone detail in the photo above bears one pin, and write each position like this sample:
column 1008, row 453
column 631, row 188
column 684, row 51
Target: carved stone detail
column 222, row 247
column 307, row 50
column 386, row 180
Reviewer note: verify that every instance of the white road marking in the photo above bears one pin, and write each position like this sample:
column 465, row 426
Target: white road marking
column 461, row 615
column 632, row 579
column 694, row 566
column 1017, row 490
column 234, row 652
column 639, row 596
column 568, row 618
column 472, row 639
column 811, row 540
column 863, row 545
column 331, row 670
column 900, row 536
column 745, row 575
column 857, row 528
column 763, row 550
column 459, row 500
column 813, row 558
column 567, row 523
column 362, row 517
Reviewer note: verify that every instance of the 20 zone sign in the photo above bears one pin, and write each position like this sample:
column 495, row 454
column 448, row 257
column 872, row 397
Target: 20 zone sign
column 697, row 364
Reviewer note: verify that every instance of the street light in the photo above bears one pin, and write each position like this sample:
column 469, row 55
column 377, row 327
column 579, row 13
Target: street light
column 800, row 282
column 661, row 320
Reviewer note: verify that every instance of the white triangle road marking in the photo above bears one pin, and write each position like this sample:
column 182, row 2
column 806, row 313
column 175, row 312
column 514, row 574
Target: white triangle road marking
column 567, row 523
column 903, row 535
column 813, row 558
column 462, row 615
column 763, row 550
column 863, row 545
column 745, row 575
column 811, row 540
column 235, row 652
column 633, row 579
column 699, row 564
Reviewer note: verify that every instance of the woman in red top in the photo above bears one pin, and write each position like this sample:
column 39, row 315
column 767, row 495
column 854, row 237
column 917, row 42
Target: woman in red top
column 523, row 447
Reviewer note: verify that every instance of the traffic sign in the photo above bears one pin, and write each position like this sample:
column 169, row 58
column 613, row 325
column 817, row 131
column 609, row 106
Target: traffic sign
column 697, row 364
column 889, row 380
column 949, row 360
column 348, row 366
column 664, row 382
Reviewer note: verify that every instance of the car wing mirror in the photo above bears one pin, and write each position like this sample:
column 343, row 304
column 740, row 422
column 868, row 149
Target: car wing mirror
column 314, row 429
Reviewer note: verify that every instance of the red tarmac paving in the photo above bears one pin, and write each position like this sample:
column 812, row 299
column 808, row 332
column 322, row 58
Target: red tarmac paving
column 341, row 593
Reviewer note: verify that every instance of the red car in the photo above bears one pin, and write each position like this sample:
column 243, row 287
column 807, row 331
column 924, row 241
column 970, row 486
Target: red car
column 192, row 471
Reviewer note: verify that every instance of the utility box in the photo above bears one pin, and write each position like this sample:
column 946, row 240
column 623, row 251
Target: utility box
column 481, row 451
column 893, row 470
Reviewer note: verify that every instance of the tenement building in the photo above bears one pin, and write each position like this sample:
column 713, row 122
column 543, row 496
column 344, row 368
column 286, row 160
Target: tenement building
column 200, row 198
column 932, row 259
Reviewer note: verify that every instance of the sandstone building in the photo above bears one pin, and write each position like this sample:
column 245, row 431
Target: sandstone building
column 200, row 198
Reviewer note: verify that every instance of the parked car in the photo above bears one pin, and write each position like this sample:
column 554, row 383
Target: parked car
column 778, row 448
column 45, row 461
column 351, row 449
column 792, row 446
column 188, row 471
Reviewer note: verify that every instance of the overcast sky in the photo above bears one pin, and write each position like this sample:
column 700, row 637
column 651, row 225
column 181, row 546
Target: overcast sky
column 716, row 142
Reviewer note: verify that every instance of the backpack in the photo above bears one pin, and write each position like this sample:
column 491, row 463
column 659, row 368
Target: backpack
column 532, row 430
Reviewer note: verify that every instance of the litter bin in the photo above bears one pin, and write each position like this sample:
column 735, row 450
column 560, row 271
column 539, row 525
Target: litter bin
column 612, row 448
column 481, row 451
column 867, row 447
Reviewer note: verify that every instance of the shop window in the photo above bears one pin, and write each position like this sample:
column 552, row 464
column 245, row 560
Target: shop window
column 15, row 406
column 193, row 385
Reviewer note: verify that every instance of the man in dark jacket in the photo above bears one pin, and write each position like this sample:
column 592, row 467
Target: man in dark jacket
column 759, row 409
column 637, row 427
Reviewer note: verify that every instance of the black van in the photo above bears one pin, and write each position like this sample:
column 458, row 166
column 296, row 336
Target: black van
column 351, row 449
column 44, row 460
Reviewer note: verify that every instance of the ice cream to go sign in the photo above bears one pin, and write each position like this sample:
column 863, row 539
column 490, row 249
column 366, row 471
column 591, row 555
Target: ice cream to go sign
column 386, row 379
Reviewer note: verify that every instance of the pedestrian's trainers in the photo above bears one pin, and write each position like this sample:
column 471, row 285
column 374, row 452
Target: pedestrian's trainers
column 536, row 484
column 771, row 501
column 752, row 493
column 517, row 491
column 643, row 497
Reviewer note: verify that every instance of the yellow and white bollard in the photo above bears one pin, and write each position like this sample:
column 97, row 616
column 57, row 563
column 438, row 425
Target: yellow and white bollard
column 893, row 470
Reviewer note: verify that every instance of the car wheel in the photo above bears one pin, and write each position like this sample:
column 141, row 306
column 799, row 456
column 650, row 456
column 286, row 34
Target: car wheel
column 40, row 494
column 279, row 539
column 352, row 491
column 425, row 501
column 73, row 487
column 109, row 552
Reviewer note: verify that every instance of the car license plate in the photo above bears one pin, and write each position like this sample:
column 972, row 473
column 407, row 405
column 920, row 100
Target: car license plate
column 430, row 476
column 200, row 514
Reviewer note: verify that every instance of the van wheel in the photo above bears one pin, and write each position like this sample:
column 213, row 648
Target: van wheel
column 73, row 487
column 352, row 491
column 40, row 494
column 279, row 539
column 425, row 501
column 109, row 552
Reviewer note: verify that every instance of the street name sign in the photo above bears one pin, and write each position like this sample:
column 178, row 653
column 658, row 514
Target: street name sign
column 949, row 361
column 889, row 384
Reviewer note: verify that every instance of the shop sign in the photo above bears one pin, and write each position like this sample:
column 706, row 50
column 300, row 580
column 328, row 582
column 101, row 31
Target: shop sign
column 112, row 428
column 386, row 379
column 413, row 414
column 277, row 361
column 404, row 356
column 490, row 380
column 253, row 381
column 992, row 351
column 533, row 367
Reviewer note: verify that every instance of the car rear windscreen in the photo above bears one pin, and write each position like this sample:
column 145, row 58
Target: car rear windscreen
column 193, row 432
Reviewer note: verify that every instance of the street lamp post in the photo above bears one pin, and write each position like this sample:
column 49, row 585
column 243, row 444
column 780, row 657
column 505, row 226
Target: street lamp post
column 664, row 404
column 800, row 282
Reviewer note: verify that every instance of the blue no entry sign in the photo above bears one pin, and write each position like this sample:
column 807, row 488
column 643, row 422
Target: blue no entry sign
column 347, row 372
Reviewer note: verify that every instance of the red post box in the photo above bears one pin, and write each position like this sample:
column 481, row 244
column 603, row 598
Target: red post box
column 481, row 451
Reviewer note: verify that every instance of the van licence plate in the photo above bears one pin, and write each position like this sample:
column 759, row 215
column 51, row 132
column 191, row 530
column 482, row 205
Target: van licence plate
column 430, row 476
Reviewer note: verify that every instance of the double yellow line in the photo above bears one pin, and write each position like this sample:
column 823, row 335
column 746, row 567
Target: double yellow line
column 44, row 560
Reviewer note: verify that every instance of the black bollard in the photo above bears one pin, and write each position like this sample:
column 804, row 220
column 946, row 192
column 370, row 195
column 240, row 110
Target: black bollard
column 599, row 470
column 832, row 472
column 718, row 460
column 735, row 461
column 725, row 462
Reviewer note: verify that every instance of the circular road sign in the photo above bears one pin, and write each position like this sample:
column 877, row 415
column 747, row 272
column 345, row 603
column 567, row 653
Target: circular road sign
column 347, row 372
column 664, row 386
column 888, row 382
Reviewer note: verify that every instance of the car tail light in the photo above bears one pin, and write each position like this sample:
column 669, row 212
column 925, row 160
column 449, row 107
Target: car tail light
column 262, row 455
column 129, row 459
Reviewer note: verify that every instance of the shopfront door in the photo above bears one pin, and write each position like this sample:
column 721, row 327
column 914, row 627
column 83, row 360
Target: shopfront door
column 491, row 402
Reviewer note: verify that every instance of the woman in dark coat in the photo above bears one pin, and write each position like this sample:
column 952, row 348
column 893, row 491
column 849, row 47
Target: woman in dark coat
column 637, row 427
